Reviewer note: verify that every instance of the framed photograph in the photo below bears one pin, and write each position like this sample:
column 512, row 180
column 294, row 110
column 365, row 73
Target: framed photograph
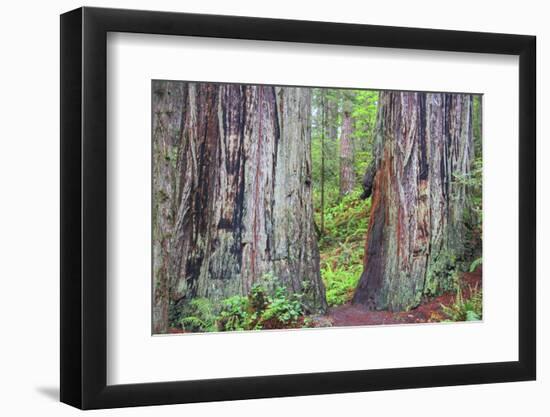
column 256, row 208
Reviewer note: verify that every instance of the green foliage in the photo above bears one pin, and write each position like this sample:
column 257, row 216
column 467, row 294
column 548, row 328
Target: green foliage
column 268, row 305
column 326, row 120
column 340, row 283
column 342, row 247
column 281, row 311
column 346, row 220
column 477, row 117
column 470, row 309
column 199, row 316
column 234, row 314
column 473, row 181
column 272, row 307
column 473, row 210
column 475, row 264
column 342, row 222
column 365, row 107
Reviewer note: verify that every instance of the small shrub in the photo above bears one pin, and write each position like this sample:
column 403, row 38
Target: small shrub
column 470, row 309
column 267, row 306
column 281, row 311
column 234, row 314
column 259, row 297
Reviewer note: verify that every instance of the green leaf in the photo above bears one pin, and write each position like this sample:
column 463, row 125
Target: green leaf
column 472, row 316
column 475, row 264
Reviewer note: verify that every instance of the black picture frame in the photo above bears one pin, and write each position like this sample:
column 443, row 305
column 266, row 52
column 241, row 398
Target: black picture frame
column 84, row 207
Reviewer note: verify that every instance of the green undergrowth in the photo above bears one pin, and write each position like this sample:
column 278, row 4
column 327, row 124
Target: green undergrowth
column 465, row 309
column 342, row 246
column 268, row 305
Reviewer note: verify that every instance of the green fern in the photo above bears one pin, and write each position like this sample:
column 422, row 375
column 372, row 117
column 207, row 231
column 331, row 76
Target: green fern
column 199, row 316
column 475, row 264
column 470, row 309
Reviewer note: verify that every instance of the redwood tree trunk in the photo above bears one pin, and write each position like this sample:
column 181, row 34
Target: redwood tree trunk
column 417, row 223
column 347, row 173
column 234, row 182
column 167, row 107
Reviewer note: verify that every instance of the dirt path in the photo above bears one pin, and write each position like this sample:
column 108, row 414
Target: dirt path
column 430, row 311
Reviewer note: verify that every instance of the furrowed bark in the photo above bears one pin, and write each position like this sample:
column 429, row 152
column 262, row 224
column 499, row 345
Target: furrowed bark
column 417, row 222
column 168, row 108
column 241, row 189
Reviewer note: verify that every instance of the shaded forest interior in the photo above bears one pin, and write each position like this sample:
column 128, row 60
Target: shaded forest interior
column 284, row 207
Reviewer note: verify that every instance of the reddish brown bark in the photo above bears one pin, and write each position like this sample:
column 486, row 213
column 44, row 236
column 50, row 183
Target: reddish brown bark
column 417, row 222
column 238, row 194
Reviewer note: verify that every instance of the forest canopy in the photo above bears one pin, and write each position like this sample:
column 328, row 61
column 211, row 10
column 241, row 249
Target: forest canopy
column 285, row 207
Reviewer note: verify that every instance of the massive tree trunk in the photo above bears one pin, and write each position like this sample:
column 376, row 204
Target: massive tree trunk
column 347, row 173
column 417, row 222
column 232, row 203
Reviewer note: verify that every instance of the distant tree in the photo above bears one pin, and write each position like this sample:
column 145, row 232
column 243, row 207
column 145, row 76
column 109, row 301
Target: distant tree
column 324, row 110
column 347, row 171
column 332, row 103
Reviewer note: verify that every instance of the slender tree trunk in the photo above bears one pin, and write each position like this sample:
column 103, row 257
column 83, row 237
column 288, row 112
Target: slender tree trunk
column 347, row 172
column 332, row 102
column 323, row 146
column 237, row 191
column 417, row 227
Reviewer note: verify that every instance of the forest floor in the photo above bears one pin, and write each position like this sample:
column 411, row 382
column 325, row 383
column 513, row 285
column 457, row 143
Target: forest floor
column 428, row 312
